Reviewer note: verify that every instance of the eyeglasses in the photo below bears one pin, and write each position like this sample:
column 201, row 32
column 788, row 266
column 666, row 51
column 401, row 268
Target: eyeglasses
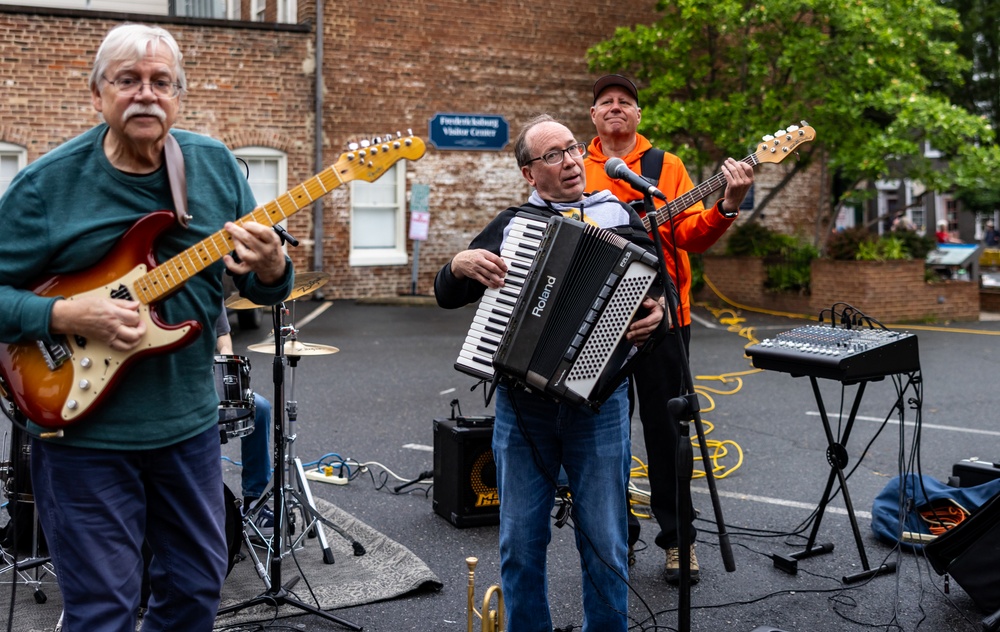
column 128, row 86
column 555, row 156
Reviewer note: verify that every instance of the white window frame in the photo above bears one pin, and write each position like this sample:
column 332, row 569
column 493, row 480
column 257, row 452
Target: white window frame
column 20, row 154
column 287, row 11
column 390, row 256
column 258, row 10
column 268, row 154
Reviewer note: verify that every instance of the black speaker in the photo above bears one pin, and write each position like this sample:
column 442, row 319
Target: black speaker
column 972, row 472
column 465, row 475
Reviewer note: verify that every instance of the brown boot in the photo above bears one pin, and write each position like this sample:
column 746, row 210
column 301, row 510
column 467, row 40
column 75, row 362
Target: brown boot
column 674, row 566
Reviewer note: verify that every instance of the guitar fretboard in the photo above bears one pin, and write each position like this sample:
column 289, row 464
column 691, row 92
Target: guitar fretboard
column 695, row 195
column 171, row 274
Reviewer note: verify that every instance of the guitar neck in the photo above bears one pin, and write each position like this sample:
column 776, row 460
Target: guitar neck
column 695, row 195
column 173, row 273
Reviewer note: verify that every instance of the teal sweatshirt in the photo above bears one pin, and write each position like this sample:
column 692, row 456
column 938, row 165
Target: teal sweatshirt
column 63, row 213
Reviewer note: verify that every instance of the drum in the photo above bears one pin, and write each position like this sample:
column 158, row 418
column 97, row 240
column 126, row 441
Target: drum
column 236, row 407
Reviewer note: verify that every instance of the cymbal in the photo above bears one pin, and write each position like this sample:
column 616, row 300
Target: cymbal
column 305, row 283
column 295, row 348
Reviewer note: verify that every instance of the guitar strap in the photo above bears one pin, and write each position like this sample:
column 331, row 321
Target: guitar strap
column 178, row 181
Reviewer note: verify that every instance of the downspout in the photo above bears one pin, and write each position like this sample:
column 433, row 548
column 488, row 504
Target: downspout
column 317, row 263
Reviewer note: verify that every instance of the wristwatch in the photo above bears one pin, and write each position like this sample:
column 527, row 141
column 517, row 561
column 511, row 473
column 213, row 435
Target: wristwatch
column 723, row 212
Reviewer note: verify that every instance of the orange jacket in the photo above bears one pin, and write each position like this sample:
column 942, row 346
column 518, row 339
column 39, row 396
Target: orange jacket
column 697, row 228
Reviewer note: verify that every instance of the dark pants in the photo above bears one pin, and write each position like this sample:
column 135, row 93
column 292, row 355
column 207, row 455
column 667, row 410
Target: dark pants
column 659, row 377
column 97, row 507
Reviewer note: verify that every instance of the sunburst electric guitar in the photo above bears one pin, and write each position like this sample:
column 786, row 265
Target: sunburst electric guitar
column 772, row 148
column 55, row 385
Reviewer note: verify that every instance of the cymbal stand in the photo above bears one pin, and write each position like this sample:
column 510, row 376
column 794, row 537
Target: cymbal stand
column 277, row 594
column 299, row 485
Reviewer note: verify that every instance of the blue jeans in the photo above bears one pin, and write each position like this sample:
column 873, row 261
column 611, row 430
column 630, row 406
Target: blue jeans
column 255, row 450
column 96, row 507
column 532, row 438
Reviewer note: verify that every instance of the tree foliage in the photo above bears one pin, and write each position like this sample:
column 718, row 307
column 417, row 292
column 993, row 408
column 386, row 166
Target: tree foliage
column 871, row 76
column 979, row 92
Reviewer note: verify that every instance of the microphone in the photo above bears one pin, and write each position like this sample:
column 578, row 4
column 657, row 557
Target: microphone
column 617, row 169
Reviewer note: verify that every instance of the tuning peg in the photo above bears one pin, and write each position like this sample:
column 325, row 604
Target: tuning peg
column 804, row 124
column 792, row 128
column 767, row 138
column 352, row 146
column 365, row 143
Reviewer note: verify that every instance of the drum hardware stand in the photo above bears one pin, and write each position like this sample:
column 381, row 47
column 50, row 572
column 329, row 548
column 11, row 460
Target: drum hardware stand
column 277, row 594
column 41, row 565
column 685, row 409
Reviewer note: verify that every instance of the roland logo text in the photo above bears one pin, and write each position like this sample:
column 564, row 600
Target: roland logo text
column 544, row 297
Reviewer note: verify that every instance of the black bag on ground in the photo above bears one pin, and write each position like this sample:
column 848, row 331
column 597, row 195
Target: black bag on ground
column 970, row 552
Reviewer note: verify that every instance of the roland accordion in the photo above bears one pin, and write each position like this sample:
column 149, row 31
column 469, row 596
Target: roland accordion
column 558, row 324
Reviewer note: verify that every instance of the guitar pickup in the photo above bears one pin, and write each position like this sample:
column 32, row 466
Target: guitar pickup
column 55, row 355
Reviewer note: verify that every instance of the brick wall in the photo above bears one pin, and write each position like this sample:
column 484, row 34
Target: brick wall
column 387, row 67
column 889, row 291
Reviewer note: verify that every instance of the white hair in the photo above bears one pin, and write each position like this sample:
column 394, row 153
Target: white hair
column 130, row 44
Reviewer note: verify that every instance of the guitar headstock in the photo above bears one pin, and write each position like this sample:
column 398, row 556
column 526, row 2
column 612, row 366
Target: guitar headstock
column 784, row 142
column 368, row 159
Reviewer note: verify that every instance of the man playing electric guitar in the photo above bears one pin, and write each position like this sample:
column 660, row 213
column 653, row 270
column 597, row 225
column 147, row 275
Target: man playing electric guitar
column 140, row 459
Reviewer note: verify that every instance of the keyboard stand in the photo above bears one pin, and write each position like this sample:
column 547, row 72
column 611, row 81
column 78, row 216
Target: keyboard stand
column 836, row 456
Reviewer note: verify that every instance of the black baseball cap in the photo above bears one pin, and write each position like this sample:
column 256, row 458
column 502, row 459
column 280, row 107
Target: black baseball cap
column 607, row 81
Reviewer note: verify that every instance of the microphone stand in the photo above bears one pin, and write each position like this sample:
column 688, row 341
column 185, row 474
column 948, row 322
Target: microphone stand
column 685, row 409
column 276, row 594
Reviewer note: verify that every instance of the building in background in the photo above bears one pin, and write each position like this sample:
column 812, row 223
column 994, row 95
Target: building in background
column 286, row 84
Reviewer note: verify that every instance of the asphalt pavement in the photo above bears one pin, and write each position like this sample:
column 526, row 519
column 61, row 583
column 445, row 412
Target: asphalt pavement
column 375, row 400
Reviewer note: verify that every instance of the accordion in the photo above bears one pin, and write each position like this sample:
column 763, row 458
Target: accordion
column 558, row 324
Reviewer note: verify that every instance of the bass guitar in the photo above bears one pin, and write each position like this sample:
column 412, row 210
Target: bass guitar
column 58, row 384
column 772, row 148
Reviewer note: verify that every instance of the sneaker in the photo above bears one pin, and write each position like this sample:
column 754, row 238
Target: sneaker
column 674, row 566
column 264, row 522
column 631, row 555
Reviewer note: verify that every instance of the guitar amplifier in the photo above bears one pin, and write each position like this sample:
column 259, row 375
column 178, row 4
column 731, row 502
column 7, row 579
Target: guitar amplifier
column 465, row 475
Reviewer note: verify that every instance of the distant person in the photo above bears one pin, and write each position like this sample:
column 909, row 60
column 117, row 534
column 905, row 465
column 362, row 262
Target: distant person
column 942, row 235
column 990, row 237
column 902, row 223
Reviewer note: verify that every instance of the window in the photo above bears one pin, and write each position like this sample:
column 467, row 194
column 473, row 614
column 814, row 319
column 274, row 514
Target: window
column 951, row 213
column 12, row 160
column 257, row 10
column 268, row 169
column 287, row 11
column 200, row 8
column 378, row 210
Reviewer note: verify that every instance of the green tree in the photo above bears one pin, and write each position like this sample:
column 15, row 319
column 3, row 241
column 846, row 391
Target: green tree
column 869, row 75
column 979, row 42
